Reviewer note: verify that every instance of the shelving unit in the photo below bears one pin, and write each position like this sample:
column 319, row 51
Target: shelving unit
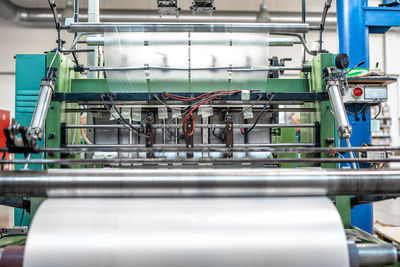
column 383, row 136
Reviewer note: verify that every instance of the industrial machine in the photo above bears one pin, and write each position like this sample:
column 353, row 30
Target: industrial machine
column 173, row 145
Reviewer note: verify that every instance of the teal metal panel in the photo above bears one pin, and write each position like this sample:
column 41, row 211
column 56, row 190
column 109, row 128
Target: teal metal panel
column 25, row 110
column 30, row 69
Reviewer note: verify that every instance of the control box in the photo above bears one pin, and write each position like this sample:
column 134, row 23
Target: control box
column 363, row 93
column 368, row 89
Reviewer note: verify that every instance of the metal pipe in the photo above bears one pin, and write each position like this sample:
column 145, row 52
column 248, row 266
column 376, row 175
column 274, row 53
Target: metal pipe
column 192, row 27
column 197, row 183
column 198, row 145
column 335, row 97
column 212, row 148
column 227, row 68
column 42, row 17
column 174, row 104
column 294, row 148
column 42, row 106
column 195, row 161
column 93, row 17
column 168, row 126
column 372, row 255
column 99, row 41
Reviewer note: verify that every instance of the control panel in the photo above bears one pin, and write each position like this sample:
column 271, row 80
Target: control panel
column 363, row 93
column 368, row 89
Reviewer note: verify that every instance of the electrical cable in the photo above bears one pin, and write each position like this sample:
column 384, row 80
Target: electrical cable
column 379, row 112
column 122, row 118
column 190, row 116
column 172, row 134
column 259, row 116
column 219, row 137
column 239, row 121
column 340, row 155
column 238, row 114
column 22, row 217
column 111, row 113
column 357, row 112
column 163, row 103
column 352, row 156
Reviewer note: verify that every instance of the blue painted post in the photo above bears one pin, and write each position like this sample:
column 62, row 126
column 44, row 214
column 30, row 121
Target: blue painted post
column 353, row 31
column 354, row 41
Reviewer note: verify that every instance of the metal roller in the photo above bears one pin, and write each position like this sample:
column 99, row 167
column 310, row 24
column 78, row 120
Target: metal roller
column 99, row 41
column 198, row 183
column 192, row 27
column 372, row 255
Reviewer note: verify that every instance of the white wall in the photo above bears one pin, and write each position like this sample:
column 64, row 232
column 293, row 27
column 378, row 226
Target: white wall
column 19, row 40
column 232, row 5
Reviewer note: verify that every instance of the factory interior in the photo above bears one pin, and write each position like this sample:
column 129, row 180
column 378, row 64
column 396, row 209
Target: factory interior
column 199, row 133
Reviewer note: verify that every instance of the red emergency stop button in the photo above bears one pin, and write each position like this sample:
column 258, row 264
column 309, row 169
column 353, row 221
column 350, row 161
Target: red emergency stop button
column 358, row 91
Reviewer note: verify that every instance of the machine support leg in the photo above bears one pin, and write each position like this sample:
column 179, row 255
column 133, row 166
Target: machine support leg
column 149, row 133
column 229, row 134
column 189, row 139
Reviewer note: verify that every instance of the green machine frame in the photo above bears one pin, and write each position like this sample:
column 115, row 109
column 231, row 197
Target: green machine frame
column 70, row 88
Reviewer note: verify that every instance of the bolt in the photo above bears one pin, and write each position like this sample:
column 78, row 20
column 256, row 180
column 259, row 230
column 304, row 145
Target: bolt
column 51, row 136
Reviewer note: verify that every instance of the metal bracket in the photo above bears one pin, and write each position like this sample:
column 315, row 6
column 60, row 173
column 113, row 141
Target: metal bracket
column 12, row 231
column 149, row 133
column 168, row 7
column 23, row 144
column 15, row 202
column 189, row 139
column 203, row 7
column 228, row 134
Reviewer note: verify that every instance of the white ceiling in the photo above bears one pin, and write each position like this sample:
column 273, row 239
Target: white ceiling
column 231, row 5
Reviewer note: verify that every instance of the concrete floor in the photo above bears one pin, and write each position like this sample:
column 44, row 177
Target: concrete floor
column 387, row 211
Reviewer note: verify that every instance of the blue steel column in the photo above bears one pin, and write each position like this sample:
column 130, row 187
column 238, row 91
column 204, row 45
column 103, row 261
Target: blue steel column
column 352, row 30
column 354, row 41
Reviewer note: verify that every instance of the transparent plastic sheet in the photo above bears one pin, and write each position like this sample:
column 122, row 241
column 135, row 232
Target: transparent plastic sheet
column 251, row 51
column 174, row 58
column 126, row 49
column 210, row 50
column 168, row 50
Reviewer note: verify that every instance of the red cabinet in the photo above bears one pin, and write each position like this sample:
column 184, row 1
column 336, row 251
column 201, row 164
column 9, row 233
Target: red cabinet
column 4, row 123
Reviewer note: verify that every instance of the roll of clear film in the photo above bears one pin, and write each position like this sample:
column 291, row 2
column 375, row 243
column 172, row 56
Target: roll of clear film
column 212, row 232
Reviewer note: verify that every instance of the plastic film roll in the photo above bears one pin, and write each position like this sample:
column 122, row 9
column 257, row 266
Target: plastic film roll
column 220, row 232
column 140, row 61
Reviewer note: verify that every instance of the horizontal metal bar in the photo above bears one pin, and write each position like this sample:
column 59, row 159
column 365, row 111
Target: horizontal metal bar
column 96, row 97
column 230, row 106
column 99, row 41
column 197, row 183
column 272, row 148
column 170, row 126
column 227, row 68
column 189, row 161
column 187, row 27
column 299, row 148
column 197, row 145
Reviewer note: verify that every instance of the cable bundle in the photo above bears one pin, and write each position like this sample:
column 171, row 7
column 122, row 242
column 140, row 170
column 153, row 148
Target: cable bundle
column 205, row 98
